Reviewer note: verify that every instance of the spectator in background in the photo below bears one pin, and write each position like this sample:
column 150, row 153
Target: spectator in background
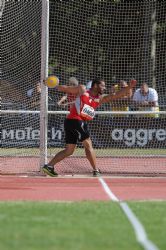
column 69, row 99
column 146, row 99
column 33, row 96
column 123, row 103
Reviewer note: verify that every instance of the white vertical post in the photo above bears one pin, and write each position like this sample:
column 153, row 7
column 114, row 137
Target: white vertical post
column 44, row 74
column 153, row 48
column 2, row 6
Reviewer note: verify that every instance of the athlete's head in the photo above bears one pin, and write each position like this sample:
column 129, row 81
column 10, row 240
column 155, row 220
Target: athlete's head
column 98, row 85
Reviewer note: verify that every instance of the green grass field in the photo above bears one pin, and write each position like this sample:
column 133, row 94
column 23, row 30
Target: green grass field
column 80, row 152
column 78, row 225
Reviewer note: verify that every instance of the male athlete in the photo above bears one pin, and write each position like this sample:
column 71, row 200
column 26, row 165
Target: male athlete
column 76, row 121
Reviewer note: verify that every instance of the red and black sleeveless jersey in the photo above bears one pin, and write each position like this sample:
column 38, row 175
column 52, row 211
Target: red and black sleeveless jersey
column 84, row 107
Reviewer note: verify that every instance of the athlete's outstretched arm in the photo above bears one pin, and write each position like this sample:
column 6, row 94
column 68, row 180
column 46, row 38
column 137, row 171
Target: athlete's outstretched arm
column 118, row 94
column 76, row 90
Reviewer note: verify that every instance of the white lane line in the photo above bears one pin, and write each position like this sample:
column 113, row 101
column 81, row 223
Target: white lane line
column 140, row 233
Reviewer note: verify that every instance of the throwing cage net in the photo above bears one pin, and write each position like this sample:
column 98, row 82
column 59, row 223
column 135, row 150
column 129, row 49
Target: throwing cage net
column 115, row 40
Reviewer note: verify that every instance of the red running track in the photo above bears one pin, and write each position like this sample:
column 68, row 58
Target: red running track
column 80, row 189
column 152, row 166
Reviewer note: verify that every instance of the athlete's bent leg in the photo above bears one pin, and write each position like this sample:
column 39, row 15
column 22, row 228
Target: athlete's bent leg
column 49, row 168
column 89, row 151
column 69, row 150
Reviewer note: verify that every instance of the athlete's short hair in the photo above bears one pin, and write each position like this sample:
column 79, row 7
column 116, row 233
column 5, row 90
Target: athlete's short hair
column 97, row 81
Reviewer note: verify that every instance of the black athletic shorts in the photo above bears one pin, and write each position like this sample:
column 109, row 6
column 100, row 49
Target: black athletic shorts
column 75, row 131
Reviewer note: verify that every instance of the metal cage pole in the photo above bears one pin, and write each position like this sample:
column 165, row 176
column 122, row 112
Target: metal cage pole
column 44, row 74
